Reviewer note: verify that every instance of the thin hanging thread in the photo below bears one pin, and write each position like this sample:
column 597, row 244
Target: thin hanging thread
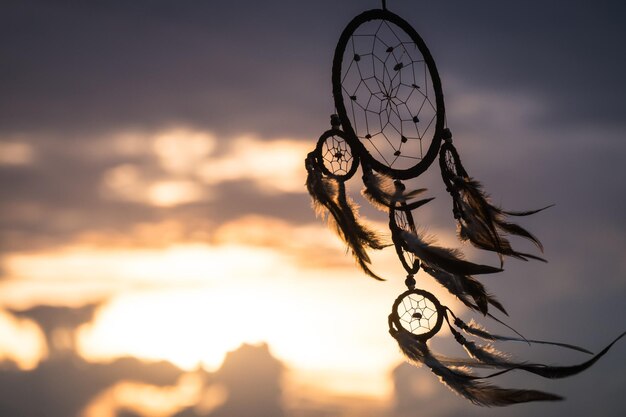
column 384, row 4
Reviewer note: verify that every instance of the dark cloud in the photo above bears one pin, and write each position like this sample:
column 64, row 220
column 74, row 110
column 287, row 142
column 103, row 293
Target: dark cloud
column 566, row 58
column 253, row 378
column 52, row 319
column 64, row 383
column 63, row 386
column 265, row 67
column 107, row 65
column 74, row 71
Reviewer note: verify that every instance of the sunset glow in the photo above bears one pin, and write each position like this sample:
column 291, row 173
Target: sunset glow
column 147, row 400
column 192, row 304
column 160, row 254
column 22, row 342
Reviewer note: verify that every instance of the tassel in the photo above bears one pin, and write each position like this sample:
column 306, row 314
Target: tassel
column 329, row 196
column 460, row 380
column 456, row 374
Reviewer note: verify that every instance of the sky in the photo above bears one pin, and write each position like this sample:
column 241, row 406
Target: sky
column 158, row 249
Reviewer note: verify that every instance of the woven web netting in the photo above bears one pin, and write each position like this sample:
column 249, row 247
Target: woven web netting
column 388, row 94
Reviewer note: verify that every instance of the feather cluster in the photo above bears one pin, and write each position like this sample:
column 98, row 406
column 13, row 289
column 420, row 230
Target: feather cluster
column 486, row 227
column 458, row 377
column 330, row 201
column 384, row 193
column 488, row 356
column 480, row 222
column 456, row 372
column 454, row 273
column 475, row 329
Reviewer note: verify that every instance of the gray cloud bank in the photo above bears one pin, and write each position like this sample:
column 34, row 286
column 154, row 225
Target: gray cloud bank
column 236, row 66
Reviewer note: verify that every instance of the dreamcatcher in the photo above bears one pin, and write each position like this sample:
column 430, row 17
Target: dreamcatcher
column 390, row 122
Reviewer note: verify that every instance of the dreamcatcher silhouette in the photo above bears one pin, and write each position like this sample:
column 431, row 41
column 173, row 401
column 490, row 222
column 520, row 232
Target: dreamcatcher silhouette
column 390, row 121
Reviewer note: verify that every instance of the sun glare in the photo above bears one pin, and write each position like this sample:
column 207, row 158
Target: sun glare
column 185, row 263
column 191, row 304
column 22, row 342
column 173, row 193
column 308, row 328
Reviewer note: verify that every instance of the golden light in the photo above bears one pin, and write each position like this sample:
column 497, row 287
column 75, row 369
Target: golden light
column 190, row 166
column 153, row 401
column 16, row 153
column 192, row 303
column 201, row 324
column 275, row 166
column 127, row 182
column 22, row 342
column 180, row 150
column 173, row 193
column 175, row 265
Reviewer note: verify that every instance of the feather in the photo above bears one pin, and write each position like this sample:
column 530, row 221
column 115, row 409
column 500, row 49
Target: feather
column 555, row 372
column 329, row 197
column 445, row 259
column 481, row 393
column 483, row 233
column 515, row 229
column 456, row 374
column 385, row 193
column 477, row 330
column 488, row 355
column 480, row 222
column 524, row 213
column 460, row 380
column 464, row 287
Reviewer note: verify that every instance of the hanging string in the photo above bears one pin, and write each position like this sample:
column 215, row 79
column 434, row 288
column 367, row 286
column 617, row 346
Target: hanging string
column 384, row 4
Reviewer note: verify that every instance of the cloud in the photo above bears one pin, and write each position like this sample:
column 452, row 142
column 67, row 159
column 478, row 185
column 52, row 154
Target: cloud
column 311, row 246
column 127, row 385
column 151, row 400
column 275, row 166
column 115, row 183
column 181, row 150
column 62, row 383
column 16, row 153
column 126, row 182
column 64, row 386
column 141, row 72
column 176, row 151
column 271, row 74
column 22, row 342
